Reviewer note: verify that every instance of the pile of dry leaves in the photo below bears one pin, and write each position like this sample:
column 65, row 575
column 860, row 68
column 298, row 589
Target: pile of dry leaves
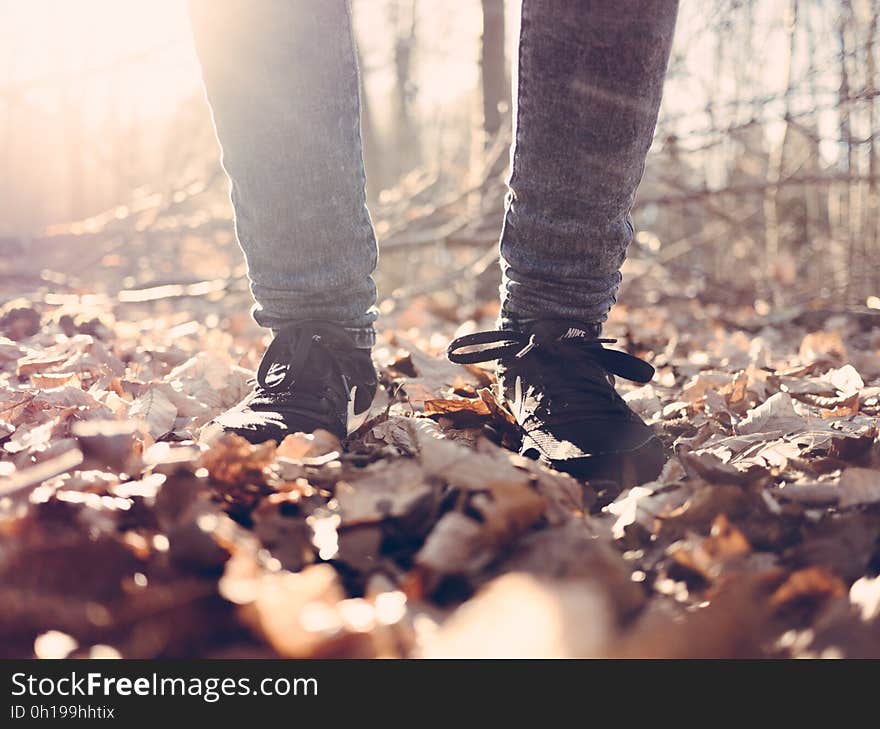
column 128, row 528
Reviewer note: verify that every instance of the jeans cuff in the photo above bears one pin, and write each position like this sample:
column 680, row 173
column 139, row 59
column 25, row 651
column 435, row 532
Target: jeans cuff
column 363, row 337
column 517, row 323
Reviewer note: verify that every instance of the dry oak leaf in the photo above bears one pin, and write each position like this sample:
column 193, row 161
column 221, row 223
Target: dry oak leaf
column 306, row 446
column 709, row 557
column 511, row 506
column 846, row 380
column 732, row 625
column 859, row 486
column 811, row 583
column 843, row 543
column 457, row 545
column 845, row 408
column 714, row 469
column 396, row 432
column 578, row 549
column 48, row 381
column 823, row 345
column 776, row 414
column 156, row 410
column 462, row 412
column 233, row 461
column 383, row 490
column 433, row 375
column 500, row 413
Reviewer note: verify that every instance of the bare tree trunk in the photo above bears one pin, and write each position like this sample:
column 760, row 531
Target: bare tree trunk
column 777, row 158
column 872, row 217
column 846, row 136
column 405, row 133
column 493, row 67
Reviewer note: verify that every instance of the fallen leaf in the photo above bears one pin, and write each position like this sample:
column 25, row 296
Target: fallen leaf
column 776, row 414
column 156, row 411
column 461, row 412
column 552, row 619
column 392, row 490
column 811, row 584
column 859, row 486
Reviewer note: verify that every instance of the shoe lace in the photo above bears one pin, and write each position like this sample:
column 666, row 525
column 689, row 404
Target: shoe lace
column 308, row 356
column 568, row 370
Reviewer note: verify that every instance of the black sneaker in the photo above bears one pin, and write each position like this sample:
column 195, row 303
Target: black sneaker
column 311, row 376
column 557, row 380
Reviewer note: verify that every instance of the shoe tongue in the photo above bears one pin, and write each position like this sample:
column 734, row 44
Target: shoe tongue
column 576, row 333
column 613, row 361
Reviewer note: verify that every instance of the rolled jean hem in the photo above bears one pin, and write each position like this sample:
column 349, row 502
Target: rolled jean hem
column 510, row 321
column 510, row 312
column 363, row 337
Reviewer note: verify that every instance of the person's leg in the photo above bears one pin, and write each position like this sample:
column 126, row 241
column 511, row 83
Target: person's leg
column 590, row 76
column 589, row 82
column 282, row 82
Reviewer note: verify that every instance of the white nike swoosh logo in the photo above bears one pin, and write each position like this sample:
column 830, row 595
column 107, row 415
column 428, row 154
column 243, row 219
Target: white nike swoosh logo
column 353, row 420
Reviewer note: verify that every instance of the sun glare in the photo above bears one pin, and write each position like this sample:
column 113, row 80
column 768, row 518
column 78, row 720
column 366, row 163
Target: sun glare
column 138, row 52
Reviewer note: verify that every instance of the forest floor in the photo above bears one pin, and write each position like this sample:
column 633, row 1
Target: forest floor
column 126, row 529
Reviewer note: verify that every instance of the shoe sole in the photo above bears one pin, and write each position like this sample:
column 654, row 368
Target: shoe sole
column 626, row 468
column 354, row 421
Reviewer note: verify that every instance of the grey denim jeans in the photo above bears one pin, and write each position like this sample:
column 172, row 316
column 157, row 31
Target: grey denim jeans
column 281, row 78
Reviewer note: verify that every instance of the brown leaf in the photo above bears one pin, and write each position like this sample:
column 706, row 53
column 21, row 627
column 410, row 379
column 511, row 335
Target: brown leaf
column 859, row 486
column 396, row 432
column 156, row 411
column 575, row 550
column 303, row 446
column 734, row 623
column 713, row 469
column 434, row 375
column 845, row 408
column 461, row 412
column 457, row 545
column 385, row 490
column 709, row 557
column 844, row 544
column 776, row 414
column 110, row 442
column 561, row 618
column 19, row 320
column 823, row 345
column 811, row 584
column 233, row 461
column 500, row 414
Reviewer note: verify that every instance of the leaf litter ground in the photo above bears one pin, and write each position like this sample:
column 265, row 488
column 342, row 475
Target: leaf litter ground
column 128, row 528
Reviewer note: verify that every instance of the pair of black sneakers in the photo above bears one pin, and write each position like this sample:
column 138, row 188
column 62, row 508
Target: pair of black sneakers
column 556, row 377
